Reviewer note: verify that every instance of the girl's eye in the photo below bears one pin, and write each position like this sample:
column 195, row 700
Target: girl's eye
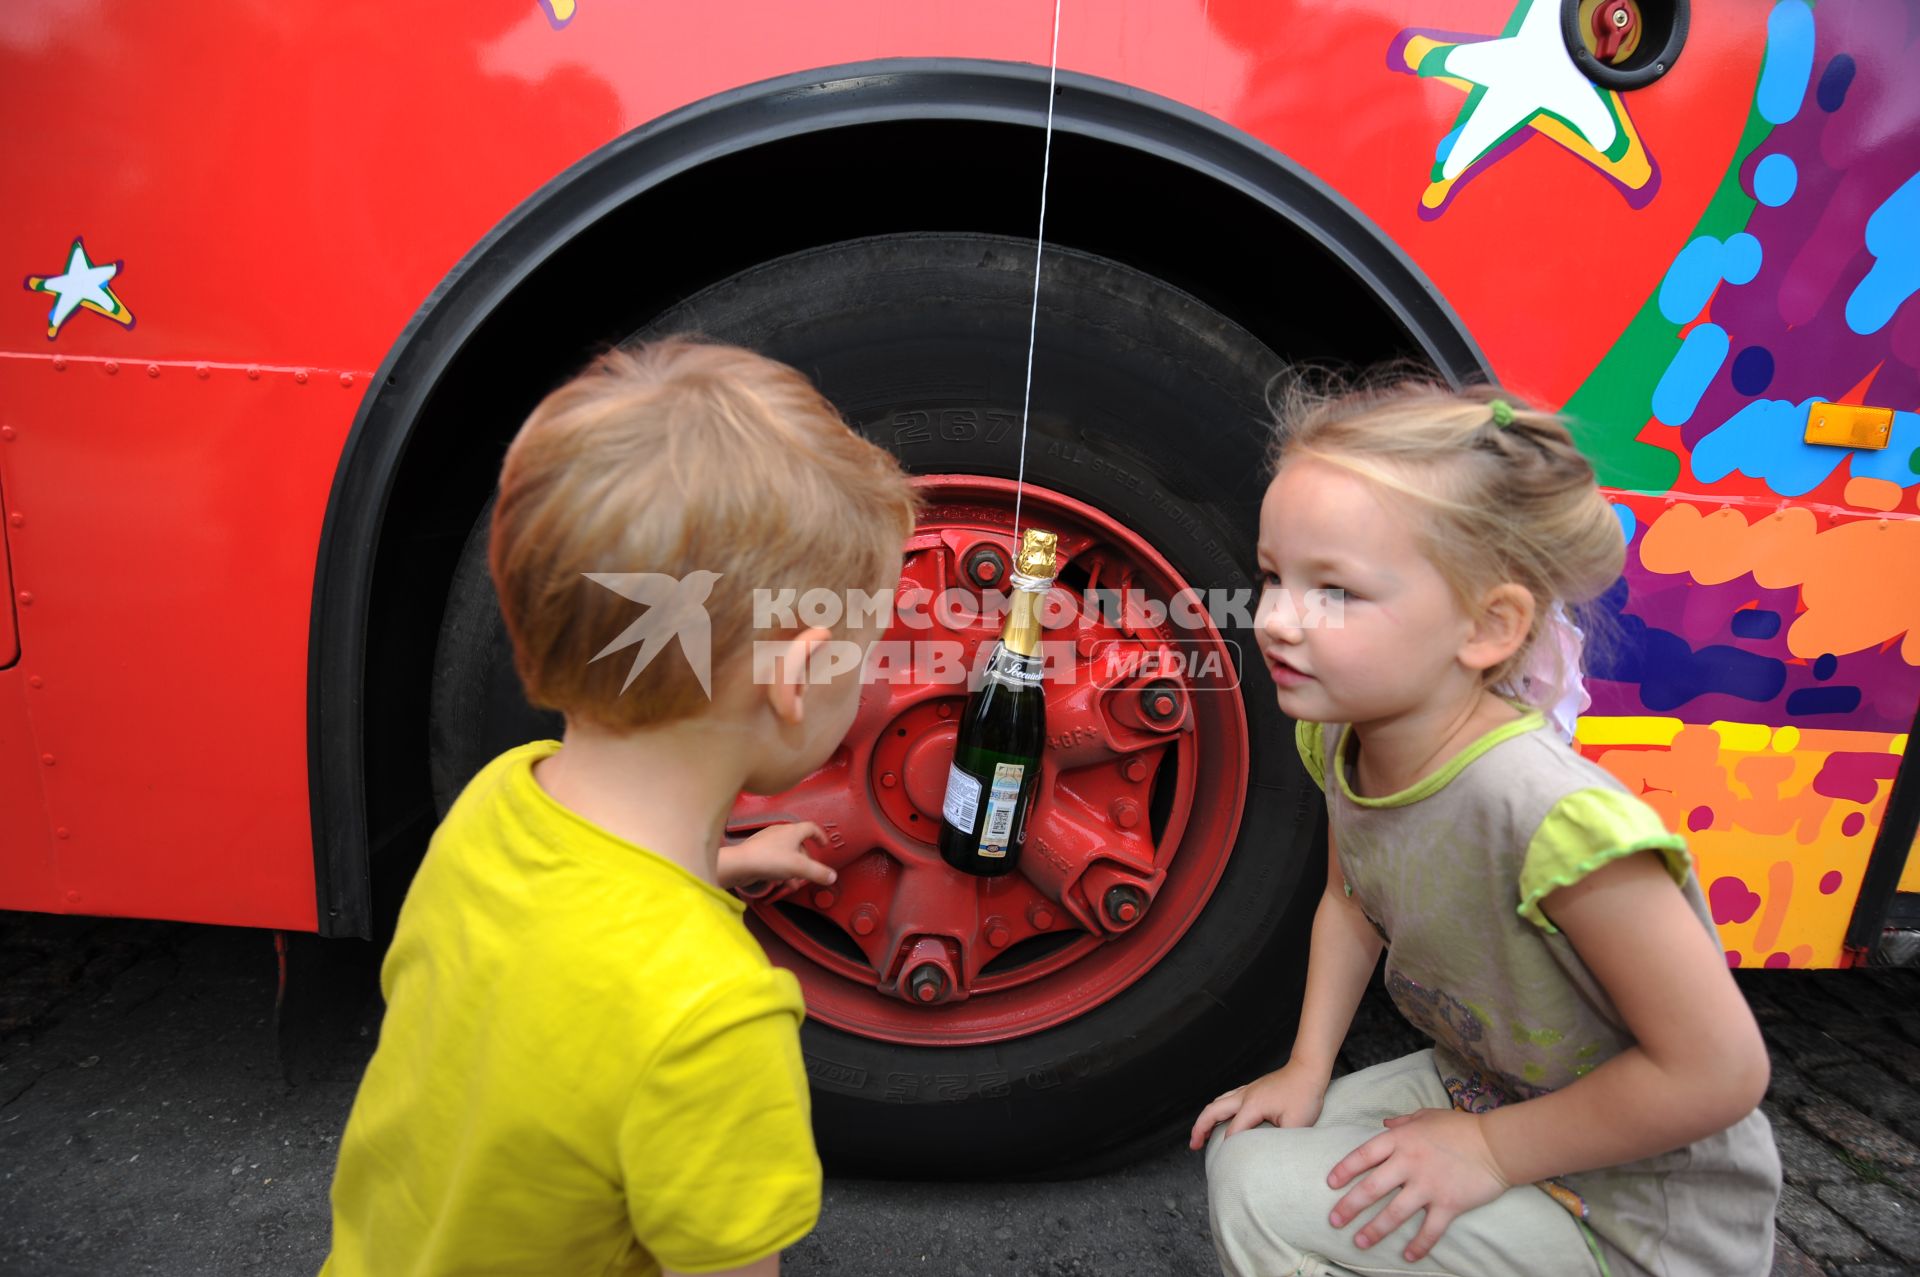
column 1268, row 581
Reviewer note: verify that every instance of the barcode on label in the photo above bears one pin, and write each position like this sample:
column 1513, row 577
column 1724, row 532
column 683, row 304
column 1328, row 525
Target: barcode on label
column 962, row 806
column 1000, row 807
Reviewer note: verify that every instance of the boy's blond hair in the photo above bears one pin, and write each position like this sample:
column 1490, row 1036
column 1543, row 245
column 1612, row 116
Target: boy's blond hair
column 677, row 457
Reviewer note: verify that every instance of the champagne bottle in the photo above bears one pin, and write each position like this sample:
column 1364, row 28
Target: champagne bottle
column 996, row 760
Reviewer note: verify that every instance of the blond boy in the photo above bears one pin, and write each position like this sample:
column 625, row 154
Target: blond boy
column 588, row 1065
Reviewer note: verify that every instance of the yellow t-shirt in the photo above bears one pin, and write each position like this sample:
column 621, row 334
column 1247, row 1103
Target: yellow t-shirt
column 587, row 1064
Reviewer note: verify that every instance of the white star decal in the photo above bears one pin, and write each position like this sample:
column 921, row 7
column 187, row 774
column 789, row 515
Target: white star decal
column 82, row 284
column 1523, row 75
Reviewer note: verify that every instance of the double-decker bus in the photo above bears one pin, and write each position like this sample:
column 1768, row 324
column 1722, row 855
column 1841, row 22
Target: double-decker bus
column 290, row 274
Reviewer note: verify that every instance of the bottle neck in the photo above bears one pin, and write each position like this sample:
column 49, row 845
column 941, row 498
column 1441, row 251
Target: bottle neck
column 1021, row 634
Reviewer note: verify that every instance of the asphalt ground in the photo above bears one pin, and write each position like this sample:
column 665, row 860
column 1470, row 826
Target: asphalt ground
column 156, row 1116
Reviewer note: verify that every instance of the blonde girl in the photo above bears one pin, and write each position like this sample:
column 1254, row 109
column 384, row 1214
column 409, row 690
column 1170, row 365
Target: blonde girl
column 1589, row 1102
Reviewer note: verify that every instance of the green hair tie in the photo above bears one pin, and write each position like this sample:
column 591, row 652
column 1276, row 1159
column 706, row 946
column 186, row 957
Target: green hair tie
column 1502, row 413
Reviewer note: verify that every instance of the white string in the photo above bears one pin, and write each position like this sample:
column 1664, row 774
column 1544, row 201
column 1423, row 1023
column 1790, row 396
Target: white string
column 1039, row 239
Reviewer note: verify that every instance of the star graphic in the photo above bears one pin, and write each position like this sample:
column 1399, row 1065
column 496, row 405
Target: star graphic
column 82, row 285
column 1518, row 83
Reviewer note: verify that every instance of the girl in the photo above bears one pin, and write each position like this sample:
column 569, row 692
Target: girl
column 1589, row 1102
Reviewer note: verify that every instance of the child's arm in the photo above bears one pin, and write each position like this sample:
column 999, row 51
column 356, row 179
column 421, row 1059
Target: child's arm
column 1698, row 1065
column 775, row 854
column 1344, row 948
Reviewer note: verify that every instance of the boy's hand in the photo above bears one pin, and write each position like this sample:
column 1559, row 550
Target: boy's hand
column 1288, row 1096
column 773, row 855
column 1437, row 1158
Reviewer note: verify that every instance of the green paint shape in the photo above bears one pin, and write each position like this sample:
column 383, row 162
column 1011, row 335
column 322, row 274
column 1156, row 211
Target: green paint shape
column 1615, row 402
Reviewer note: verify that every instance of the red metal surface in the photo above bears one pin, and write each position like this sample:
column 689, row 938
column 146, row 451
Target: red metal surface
column 9, row 636
column 283, row 185
column 1134, row 824
column 164, row 655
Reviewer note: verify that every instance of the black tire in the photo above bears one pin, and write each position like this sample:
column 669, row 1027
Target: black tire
column 1147, row 405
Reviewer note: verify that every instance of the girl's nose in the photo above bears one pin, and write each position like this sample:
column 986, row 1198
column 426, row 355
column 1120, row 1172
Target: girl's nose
column 1280, row 619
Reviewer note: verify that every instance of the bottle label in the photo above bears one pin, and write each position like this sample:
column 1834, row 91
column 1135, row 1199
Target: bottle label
column 1001, row 803
column 1010, row 667
column 962, row 806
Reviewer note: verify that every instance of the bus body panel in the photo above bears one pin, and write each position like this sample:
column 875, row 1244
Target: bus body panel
column 281, row 187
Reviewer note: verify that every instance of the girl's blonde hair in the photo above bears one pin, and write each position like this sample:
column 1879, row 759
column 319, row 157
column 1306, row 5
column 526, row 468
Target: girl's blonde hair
column 1497, row 494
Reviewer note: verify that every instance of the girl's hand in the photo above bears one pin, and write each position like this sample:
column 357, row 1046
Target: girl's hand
column 1437, row 1158
column 772, row 855
column 1288, row 1096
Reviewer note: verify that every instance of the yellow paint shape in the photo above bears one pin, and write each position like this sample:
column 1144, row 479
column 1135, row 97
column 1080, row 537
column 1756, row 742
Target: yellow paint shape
column 1743, row 738
column 1626, row 730
column 1898, row 745
column 1873, row 494
column 1786, row 740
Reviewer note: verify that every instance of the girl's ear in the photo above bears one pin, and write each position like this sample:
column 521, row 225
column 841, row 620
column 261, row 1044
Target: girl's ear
column 1500, row 629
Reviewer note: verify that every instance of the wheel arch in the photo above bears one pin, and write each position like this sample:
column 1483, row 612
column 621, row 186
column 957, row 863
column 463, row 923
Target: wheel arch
column 944, row 145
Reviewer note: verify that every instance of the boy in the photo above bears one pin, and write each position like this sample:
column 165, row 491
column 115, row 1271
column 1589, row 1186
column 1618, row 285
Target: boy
column 587, row 1064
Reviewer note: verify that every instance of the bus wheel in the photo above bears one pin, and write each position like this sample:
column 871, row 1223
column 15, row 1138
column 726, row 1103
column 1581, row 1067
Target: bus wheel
column 1150, row 951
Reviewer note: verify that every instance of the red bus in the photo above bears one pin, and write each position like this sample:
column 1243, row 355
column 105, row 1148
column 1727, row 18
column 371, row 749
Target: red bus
column 292, row 274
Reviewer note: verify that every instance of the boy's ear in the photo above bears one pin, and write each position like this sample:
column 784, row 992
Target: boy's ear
column 1501, row 626
column 789, row 673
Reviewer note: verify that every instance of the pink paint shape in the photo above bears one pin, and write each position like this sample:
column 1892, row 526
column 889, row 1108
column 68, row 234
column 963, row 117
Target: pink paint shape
column 1700, row 818
column 1855, row 777
column 1731, row 900
column 1830, row 882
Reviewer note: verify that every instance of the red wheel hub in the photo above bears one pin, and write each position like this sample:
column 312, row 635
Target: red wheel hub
column 1142, row 784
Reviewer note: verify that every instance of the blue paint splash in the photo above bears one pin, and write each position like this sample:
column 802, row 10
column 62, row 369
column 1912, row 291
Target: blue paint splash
column 1834, row 82
column 1755, row 623
column 1899, row 461
column 1823, row 700
column 1789, row 61
column 1765, row 440
column 1691, row 372
column 1896, row 269
column 1775, row 178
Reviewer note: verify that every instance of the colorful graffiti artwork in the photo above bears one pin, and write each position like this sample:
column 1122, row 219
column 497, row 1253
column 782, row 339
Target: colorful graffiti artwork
column 82, row 285
column 1519, row 83
column 1764, row 657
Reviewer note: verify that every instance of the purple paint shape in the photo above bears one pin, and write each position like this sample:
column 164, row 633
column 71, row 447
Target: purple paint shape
column 1855, row 776
column 1830, row 882
column 1853, row 824
column 1731, row 900
column 1779, row 961
column 1700, row 818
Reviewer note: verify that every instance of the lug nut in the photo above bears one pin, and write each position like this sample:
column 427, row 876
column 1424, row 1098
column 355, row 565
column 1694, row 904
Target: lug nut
column 1125, row 812
column 863, row 920
column 824, row 899
column 1135, row 770
column 1041, row 917
column 1125, row 905
column 1160, row 702
column 888, row 780
column 928, row 983
column 985, row 566
column 997, row 933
